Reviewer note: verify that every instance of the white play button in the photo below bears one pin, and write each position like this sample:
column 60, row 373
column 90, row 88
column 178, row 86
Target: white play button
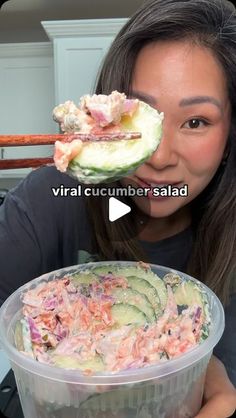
column 117, row 209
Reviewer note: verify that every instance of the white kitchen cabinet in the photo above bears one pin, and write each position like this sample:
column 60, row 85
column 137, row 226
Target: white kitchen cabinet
column 27, row 98
column 79, row 48
column 77, row 62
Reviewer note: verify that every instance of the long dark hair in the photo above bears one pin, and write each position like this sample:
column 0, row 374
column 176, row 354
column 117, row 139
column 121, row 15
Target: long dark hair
column 211, row 24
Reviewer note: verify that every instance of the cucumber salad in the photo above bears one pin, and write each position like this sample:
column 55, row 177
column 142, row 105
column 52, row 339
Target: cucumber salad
column 93, row 162
column 110, row 318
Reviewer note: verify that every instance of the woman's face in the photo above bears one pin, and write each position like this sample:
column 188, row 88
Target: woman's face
column 186, row 83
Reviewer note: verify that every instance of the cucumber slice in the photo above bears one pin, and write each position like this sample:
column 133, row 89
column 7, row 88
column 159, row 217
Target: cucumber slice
column 132, row 297
column 108, row 161
column 140, row 284
column 83, row 277
column 125, row 314
column 103, row 270
column 189, row 293
column 18, row 336
column 67, row 362
column 138, row 272
column 150, row 277
column 146, row 289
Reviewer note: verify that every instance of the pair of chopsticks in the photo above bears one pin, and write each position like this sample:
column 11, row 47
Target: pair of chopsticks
column 29, row 140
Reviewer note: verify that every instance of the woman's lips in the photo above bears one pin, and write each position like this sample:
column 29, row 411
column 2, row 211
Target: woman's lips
column 152, row 185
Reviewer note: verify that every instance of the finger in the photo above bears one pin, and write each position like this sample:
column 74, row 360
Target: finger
column 219, row 406
column 216, row 379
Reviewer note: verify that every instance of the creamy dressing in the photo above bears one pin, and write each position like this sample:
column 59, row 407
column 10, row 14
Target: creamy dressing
column 71, row 326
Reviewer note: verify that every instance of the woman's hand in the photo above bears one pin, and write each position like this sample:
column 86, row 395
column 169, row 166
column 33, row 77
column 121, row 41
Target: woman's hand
column 219, row 393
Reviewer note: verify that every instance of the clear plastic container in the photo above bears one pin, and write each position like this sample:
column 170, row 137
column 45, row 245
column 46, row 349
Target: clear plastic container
column 172, row 389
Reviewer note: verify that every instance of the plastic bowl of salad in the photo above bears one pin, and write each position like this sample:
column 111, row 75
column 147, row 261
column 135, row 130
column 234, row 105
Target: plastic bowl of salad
column 111, row 340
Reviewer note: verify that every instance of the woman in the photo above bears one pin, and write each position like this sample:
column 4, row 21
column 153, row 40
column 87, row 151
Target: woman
column 180, row 57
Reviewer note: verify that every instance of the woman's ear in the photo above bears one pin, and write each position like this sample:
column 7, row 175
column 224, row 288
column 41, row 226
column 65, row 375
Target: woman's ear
column 225, row 155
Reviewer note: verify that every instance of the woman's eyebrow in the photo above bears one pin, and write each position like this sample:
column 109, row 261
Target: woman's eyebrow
column 188, row 101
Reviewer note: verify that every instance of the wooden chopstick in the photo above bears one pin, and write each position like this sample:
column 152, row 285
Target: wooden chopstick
column 10, row 164
column 24, row 140
column 28, row 140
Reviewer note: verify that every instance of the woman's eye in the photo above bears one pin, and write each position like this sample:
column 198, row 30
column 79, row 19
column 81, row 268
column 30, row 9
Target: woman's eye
column 195, row 123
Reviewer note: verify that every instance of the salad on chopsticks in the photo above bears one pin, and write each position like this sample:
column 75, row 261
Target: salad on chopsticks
column 124, row 132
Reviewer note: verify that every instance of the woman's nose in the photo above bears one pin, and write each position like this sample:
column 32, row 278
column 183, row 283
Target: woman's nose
column 166, row 153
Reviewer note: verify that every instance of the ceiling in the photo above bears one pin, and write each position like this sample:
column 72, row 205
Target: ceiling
column 20, row 19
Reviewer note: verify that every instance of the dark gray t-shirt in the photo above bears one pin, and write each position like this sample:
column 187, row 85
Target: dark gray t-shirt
column 40, row 232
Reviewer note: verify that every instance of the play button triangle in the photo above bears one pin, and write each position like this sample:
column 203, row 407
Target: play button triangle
column 117, row 209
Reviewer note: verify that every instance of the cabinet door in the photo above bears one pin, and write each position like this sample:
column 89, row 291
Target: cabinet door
column 27, row 99
column 77, row 62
